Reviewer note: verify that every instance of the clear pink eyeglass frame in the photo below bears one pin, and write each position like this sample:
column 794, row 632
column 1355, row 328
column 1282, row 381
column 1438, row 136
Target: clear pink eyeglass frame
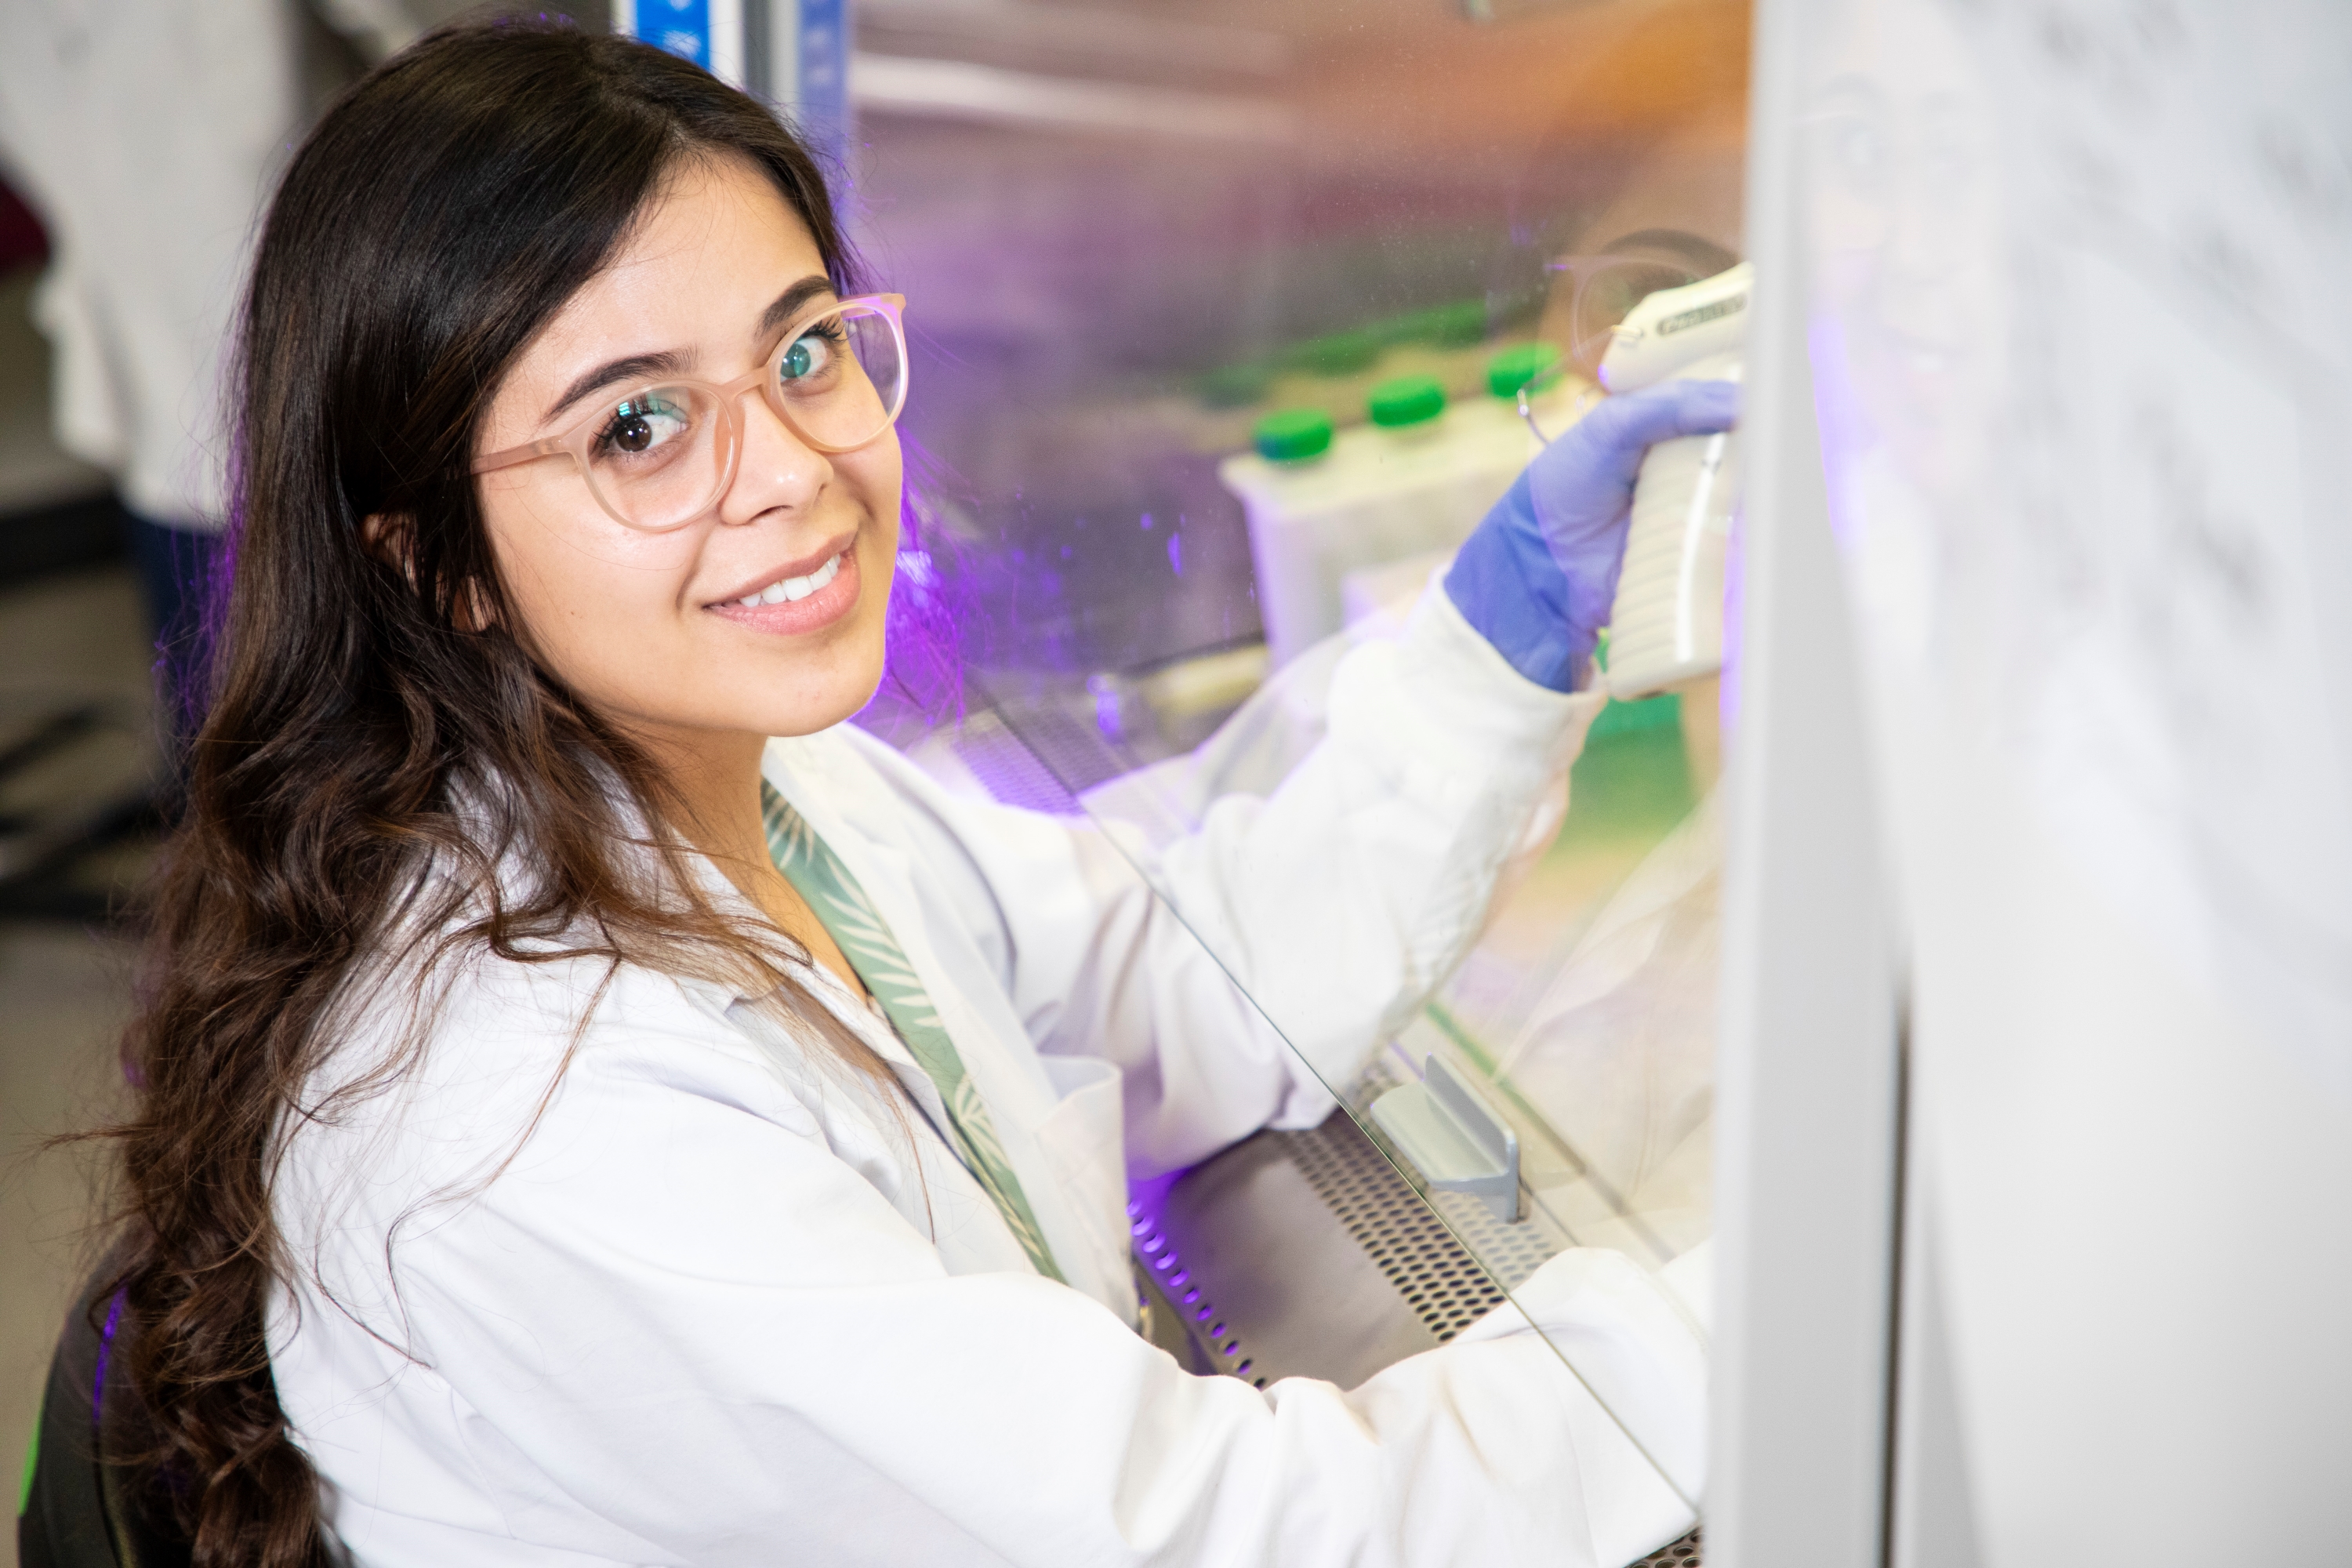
column 578, row 442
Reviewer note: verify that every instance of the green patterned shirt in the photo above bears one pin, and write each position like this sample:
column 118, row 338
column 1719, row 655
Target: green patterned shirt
column 846, row 912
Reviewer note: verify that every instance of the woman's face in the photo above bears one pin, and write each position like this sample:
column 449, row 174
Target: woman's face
column 646, row 627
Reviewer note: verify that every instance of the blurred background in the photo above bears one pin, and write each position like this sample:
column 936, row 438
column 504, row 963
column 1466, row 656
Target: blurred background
column 1137, row 236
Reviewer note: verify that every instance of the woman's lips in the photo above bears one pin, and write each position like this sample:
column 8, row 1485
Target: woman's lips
column 795, row 617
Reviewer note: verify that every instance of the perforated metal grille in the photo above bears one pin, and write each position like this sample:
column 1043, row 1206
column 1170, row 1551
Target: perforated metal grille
column 1070, row 751
column 1380, row 1210
column 1008, row 767
column 1428, row 1266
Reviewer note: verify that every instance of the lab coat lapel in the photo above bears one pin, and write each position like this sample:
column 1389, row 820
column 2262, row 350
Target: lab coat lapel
column 883, row 1042
column 850, row 808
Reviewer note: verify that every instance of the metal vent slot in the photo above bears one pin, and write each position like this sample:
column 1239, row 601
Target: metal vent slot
column 1178, row 1316
column 1428, row 1266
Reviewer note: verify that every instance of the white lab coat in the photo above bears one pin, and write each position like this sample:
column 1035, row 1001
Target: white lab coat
column 668, row 1285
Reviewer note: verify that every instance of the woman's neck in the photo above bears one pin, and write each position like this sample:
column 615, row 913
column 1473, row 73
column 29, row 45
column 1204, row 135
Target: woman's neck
column 715, row 775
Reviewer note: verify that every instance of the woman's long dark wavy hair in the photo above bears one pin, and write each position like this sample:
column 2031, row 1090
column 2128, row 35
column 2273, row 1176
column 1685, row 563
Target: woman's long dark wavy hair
column 435, row 219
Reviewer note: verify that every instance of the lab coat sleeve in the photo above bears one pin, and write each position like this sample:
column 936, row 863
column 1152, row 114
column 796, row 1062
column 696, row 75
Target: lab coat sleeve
column 1295, row 927
column 677, row 1328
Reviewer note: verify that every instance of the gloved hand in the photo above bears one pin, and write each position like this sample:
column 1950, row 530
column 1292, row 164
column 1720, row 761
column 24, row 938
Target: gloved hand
column 1538, row 576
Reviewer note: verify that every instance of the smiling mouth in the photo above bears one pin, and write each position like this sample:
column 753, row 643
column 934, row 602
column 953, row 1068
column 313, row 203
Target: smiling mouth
column 785, row 590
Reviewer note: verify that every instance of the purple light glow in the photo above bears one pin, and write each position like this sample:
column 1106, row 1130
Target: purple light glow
column 1846, row 428
column 105, row 1353
column 930, row 602
column 1147, row 1193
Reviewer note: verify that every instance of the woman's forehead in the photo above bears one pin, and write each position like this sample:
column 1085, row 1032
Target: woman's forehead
column 691, row 280
column 712, row 247
column 711, row 210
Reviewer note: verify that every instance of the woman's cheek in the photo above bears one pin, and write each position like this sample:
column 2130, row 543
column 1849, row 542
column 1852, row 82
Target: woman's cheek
column 599, row 609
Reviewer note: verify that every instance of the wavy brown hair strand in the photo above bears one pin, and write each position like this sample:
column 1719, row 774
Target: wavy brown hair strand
column 375, row 736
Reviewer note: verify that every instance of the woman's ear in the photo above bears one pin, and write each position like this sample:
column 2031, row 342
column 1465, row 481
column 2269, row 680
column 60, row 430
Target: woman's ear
column 391, row 539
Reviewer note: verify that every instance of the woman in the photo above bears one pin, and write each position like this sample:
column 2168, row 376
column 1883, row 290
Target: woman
column 574, row 1126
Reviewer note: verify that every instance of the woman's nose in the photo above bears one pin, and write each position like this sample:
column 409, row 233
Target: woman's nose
column 775, row 471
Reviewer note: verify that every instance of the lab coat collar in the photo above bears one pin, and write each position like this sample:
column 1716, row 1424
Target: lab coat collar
column 849, row 807
column 825, row 988
column 821, row 778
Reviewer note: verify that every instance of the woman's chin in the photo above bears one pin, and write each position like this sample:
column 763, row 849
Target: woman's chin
column 823, row 698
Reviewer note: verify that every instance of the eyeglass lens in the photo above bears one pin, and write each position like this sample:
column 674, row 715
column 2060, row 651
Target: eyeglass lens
column 661, row 457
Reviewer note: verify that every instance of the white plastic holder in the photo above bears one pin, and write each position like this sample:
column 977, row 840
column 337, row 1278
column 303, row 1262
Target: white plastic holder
column 1666, row 626
column 1454, row 1138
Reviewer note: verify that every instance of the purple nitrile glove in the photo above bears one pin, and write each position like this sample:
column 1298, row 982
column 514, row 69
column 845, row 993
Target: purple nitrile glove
column 1538, row 576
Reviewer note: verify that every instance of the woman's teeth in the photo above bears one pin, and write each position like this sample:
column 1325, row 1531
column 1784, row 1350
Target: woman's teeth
column 790, row 588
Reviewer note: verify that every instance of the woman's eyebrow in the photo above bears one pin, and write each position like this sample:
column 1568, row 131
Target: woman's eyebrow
column 788, row 304
column 782, row 309
column 665, row 363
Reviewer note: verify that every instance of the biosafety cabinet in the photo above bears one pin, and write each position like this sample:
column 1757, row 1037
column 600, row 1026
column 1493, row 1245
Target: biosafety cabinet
column 1951, row 996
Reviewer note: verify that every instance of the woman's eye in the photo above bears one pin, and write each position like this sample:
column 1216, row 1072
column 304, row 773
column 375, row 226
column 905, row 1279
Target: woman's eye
column 809, row 355
column 642, row 425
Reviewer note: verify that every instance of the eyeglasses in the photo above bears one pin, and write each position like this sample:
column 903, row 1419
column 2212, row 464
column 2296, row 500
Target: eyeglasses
column 661, row 457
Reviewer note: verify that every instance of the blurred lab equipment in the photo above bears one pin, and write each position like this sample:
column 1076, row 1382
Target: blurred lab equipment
column 142, row 135
column 1444, row 1126
column 2046, row 834
column 145, row 135
column 1666, row 626
column 1322, row 502
column 793, row 54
